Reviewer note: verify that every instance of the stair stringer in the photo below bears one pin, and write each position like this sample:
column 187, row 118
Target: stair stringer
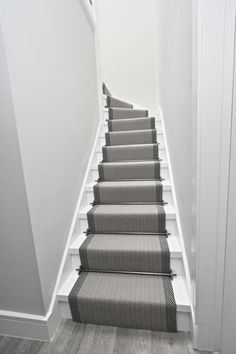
column 72, row 261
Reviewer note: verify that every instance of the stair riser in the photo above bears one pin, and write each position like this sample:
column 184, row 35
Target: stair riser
column 183, row 318
column 99, row 157
column 175, row 263
column 82, row 225
column 167, row 197
column 164, row 174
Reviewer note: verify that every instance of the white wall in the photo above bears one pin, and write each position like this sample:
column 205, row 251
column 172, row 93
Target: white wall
column 174, row 67
column 128, row 49
column 52, row 67
column 229, row 307
column 20, row 289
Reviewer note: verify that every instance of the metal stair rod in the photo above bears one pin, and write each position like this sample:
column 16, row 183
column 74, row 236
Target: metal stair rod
column 88, row 232
column 130, row 179
column 130, row 161
column 81, row 269
column 130, row 203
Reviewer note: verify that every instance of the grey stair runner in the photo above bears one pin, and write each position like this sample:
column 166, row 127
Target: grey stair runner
column 114, row 102
column 124, row 300
column 128, row 192
column 127, row 218
column 124, row 113
column 131, row 124
column 117, row 252
column 129, row 170
column 125, row 274
column 105, row 90
column 147, row 136
column 130, row 152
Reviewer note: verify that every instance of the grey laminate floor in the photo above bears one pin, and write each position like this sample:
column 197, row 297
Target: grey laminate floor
column 79, row 338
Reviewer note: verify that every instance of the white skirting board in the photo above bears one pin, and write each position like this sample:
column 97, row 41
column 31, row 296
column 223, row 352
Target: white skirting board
column 29, row 326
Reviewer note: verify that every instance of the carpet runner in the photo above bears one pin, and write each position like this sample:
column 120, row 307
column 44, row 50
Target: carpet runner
column 125, row 276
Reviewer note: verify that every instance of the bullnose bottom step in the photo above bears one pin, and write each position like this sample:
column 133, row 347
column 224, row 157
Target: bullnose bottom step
column 123, row 300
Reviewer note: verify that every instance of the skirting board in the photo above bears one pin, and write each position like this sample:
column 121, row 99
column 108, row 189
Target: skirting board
column 22, row 325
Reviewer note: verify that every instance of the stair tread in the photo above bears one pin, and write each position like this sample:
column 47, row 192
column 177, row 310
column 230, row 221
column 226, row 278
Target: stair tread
column 157, row 119
column 166, row 185
column 162, row 163
column 178, row 283
column 169, row 211
column 173, row 243
column 160, row 146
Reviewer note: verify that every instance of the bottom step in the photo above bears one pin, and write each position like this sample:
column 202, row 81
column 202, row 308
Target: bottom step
column 124, row 300
column 178, row 284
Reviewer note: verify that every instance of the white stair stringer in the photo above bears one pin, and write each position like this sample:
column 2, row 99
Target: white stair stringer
column 69, row 274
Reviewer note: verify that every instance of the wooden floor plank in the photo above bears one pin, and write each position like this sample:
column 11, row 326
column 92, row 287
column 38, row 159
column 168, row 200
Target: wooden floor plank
column 78, row 338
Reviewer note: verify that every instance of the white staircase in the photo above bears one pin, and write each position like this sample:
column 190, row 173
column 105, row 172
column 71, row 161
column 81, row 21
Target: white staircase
column 72, row 262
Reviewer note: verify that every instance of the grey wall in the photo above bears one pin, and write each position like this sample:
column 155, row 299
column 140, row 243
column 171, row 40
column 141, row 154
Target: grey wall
column 19, row 277
column 52, row 68
column 128, row 49
column 174, row 65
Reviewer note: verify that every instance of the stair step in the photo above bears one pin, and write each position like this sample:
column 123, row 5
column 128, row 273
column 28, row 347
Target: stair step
column 169, row 212
column 164, row 164
column 106, row 92
column 180, row 293
column 118, row 252
column 147, row 136
column 171, row 225
column 124, row 300
column 123, row 113
column 137, row 170
column 127, row 218
column 176, row 261
column 115, row 102
column 140, row 152
column 131, row 124
column 165, row 185
column 173, row 244
column 128, row 191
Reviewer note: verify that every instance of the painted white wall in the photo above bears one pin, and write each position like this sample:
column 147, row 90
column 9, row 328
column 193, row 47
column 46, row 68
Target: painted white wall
column 128, row 49
column 228, row 344
column 19, row 278
column 174, row 68
column 229, row 306
column 215, row 44
column 52, row 67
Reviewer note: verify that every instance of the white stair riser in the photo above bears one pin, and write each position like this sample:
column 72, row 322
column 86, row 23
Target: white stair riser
column 99, row 157
column 167, row 196
column 175, row 263
column 183, row 318
column 82, row 225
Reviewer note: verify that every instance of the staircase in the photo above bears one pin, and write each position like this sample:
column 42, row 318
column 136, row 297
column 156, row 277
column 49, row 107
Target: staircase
column 130, row 260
